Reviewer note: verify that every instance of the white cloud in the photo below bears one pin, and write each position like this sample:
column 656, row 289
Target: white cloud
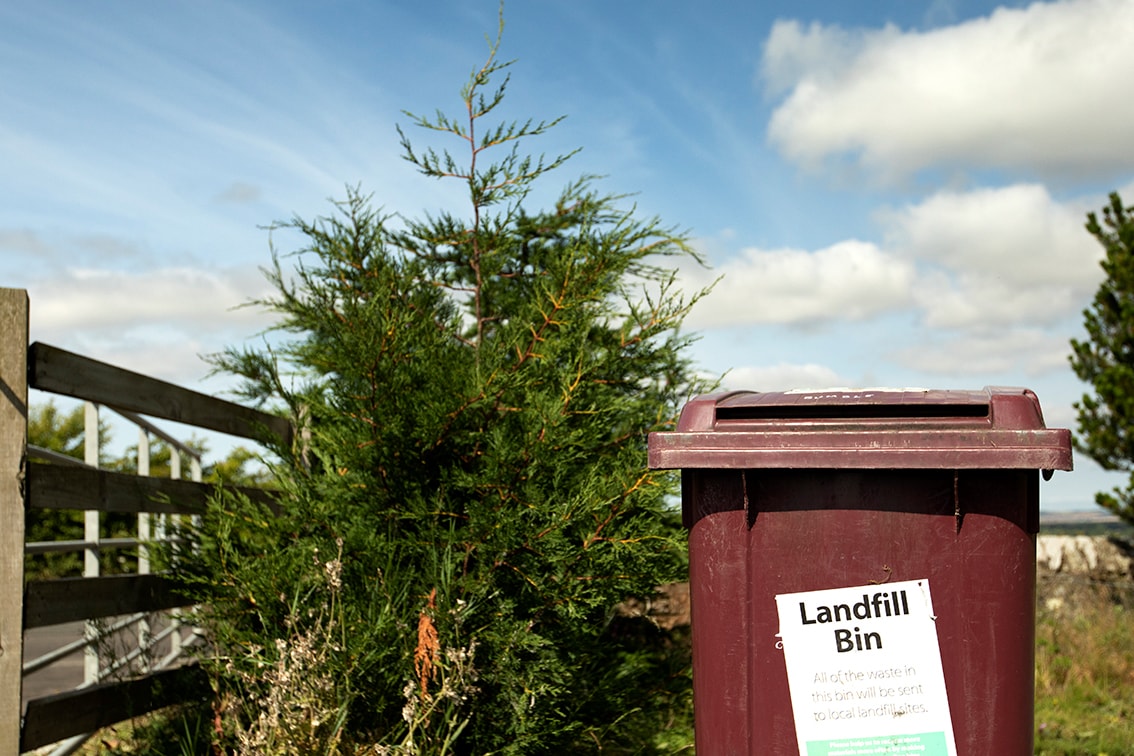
column 848, row 281
column 793, row 53
column 781, row 377
column 1011, row 351
column 975, row 302
column 962, row 261
column 190, row 299
column 1018, row 233
column 996, row 256
column 158, row 322
column 1036, row 89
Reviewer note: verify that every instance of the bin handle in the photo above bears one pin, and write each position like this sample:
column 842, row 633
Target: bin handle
column 749, row 512
column 958, row 515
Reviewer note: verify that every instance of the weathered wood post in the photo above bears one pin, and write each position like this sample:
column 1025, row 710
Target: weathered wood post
column 13, row 455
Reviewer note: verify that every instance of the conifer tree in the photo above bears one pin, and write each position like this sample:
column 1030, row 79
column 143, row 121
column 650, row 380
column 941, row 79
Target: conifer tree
column 1106, row 359
column 475, row 390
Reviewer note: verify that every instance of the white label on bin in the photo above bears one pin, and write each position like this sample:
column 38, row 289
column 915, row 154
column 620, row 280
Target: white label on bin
column 864, row 671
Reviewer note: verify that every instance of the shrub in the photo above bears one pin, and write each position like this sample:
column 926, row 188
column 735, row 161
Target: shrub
column 474, row 394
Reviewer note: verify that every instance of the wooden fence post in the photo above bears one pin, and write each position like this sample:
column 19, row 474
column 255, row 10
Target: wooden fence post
column 13, row 448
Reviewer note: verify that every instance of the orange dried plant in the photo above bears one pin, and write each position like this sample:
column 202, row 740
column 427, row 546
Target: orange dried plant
column 428, row 646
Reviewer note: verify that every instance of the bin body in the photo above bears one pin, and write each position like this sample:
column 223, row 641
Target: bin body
column 794, row 492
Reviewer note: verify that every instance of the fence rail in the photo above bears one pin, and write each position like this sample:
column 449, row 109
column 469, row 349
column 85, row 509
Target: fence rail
column 68, row 374
column 55, row 481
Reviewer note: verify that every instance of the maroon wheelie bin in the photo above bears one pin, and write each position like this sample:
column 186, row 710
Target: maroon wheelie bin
column 787, row 495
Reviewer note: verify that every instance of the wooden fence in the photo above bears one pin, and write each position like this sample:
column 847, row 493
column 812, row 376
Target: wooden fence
column 52, row 482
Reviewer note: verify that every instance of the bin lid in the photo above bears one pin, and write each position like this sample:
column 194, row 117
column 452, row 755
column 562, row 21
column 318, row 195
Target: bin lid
column 992, row 428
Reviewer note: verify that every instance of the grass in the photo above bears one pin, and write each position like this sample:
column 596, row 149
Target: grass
column 1085, row 675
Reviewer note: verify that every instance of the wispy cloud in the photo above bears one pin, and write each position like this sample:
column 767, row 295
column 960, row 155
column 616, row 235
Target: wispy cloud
column 239, row 193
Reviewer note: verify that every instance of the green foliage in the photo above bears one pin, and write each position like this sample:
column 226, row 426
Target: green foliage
column 475, row 393
column 1106, row 359
column 49, row 428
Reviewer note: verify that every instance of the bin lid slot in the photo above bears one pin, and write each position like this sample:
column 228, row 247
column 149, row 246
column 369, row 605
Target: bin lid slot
column 861, row 411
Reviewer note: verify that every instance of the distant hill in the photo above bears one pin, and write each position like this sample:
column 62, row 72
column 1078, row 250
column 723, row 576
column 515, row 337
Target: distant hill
column 1084, row 523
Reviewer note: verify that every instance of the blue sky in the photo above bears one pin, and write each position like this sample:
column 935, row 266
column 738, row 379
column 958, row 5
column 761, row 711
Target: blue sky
column 893, row 191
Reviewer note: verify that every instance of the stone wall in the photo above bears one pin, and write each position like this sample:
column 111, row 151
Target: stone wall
column 1076, row 570
column 1095, row 557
